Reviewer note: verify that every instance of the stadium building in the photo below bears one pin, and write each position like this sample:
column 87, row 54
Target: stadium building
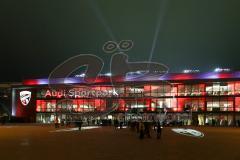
column 211, row 98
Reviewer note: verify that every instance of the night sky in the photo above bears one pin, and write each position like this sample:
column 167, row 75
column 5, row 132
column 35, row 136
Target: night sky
column 37, row 35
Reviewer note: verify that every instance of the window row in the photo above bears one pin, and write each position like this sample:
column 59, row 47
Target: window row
column 70, row 105
column 154, row 104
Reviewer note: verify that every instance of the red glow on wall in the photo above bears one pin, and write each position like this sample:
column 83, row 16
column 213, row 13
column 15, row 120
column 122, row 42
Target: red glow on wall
column 121, row 104
column 182, row 77
column 30, row 82
column 237, row 104
column 102, row 79
column 182, row 104
column 105, row 79
column 147, row 88
column 224, row 75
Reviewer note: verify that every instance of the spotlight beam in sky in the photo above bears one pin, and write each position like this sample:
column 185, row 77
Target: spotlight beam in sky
column 162, row 12
column 100, row 17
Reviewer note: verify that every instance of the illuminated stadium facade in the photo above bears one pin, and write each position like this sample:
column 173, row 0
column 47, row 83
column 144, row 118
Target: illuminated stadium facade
column 211, row 98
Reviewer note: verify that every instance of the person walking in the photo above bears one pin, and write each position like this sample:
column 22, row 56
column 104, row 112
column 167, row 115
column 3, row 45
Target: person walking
column 116, row 123
column 56, row 122
column 141, row 130
column 88, row 121
column 121, row 125
column 137, row 126
column 80, row 125
column 159, row 130
column 147, row 129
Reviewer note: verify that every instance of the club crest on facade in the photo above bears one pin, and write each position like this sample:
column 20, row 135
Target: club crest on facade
column 25, row 97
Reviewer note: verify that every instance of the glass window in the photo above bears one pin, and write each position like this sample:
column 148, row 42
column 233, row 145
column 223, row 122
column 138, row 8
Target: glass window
column 223, row 89
column 197, row 89
column 181, row 90
column 166, row 103
column 237, row 88
column 137, row 91
column 156, row 90
column 191, row 104
column 213, row 104
column 120, row 91
column 213, row 89
column 174, row 90
column 120, row 104
column 237, row 104
column 231, row 88
column 167, row 90
column 220, row 88
column 188, row 90
column 220, row 104
column 163, row 90
column 46, row 106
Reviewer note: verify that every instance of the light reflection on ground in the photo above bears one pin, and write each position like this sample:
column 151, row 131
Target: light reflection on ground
column 123, row 127
column 188, row 132
column 75, row 129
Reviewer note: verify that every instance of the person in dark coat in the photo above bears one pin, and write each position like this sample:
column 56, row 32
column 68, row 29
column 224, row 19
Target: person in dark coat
column 56, row 122
column 141, row 130
column 159, row 130
column 79, row 124
column 121, row 125
column 137, row 126
column 116, row 123
column 147, row 129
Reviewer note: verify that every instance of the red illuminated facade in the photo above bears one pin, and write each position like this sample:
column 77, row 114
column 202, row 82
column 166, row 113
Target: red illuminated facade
column 200, row 98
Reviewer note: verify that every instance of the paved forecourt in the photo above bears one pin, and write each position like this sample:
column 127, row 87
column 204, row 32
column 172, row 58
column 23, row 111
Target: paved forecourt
column 38, row 142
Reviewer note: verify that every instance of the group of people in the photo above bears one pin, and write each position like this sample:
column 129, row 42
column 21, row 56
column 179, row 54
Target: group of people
column 143, row 128
column 146, row 128
column 117, row 124
column 63, row 122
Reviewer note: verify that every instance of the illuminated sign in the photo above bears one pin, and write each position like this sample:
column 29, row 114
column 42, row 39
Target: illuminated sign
column 77, row 93
column 25, row 97
column 136, row 90
column 188, row 132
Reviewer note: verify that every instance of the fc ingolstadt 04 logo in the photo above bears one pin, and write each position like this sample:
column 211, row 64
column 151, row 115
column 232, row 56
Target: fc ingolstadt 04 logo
column 25, row 97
